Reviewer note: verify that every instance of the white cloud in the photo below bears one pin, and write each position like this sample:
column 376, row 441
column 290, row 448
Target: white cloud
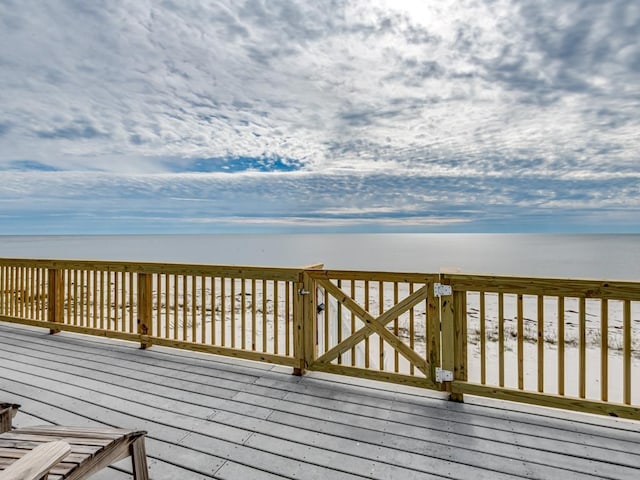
column 472, row 91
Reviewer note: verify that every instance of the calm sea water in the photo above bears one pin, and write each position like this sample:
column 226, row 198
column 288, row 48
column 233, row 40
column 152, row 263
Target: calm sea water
column 578, row 256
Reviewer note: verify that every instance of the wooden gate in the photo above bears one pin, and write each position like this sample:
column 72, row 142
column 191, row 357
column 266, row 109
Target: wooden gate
column 382, row 326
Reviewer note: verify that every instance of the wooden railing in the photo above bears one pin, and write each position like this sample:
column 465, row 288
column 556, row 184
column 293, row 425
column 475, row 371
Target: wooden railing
column 571, row 344
column 245, row 312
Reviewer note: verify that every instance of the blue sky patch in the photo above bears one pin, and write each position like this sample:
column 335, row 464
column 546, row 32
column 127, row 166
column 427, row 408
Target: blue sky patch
column 30, row 165
column 237, row 165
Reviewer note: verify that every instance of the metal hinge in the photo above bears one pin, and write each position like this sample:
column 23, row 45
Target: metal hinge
column 443, row 375
column 440, row 290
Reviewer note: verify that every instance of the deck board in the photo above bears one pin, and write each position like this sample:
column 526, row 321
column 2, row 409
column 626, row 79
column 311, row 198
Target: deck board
column 213, row 417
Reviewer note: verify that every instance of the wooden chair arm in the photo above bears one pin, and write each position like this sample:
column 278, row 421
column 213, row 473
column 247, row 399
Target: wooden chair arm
column 7, row 412
column 35, row 464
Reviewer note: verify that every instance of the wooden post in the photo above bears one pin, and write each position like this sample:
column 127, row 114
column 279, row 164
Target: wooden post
column 299, row 326
column 55, row 296
column 448, row 335
column 310, row 321
column 145, row 308
column 460, row 340
column 433, row 331
column 453, row 313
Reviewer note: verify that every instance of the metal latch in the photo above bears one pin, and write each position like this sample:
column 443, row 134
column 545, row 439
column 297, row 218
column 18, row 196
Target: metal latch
column 440, row 290
column 302, row 291
column 443, row 375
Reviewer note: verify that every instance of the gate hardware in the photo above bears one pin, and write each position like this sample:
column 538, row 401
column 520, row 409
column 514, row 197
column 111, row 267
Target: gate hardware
column 440, row 290
column 443, row 375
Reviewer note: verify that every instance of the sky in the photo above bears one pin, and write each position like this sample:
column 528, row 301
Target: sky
column 193, row 116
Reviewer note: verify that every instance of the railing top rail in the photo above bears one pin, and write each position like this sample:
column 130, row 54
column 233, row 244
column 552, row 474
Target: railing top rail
column 567, row 287
column 374, row 276
column 231, row 271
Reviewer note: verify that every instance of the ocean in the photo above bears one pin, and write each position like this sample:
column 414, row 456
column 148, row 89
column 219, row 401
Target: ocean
column 596, row 256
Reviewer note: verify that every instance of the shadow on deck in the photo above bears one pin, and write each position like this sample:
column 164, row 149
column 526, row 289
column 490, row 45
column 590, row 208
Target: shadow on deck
column 215, row 417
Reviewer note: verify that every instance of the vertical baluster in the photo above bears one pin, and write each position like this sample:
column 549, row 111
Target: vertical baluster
column 88, row 302
column 11, row 292
column 2, row 290
column 287, row 316
column 176, row 287
column 8, row 291
column 232, row 308
column 38, row 294
column 339, row 323
column 20, row 292
column 167, row 305
column 501, row 339
column 276, row 320
column 203, row 309
column 396, row 332
column 626, row 352
column 560, row 345
column 148, row 308
column 582, row 373
column 123, row 306
column 604, row 350
column 16, row 291
column 158, row 329
column 264, row 315
column 366, row 340
column 254, row 299
column 353, row 324
column 69, row 297
column 540, row 343
column 213, row 310
column 194, row 309
column 75, row 297
column 185, row 302
column 116, row 300
column 42, row 292
column 412, row 330
column 83, row 303
column 94, row 294
column 326, row 318
column 102, row 299
column 483, row 339
column 32, row 294
column 243, row 314
column 223, row 311
column 520, row 343
column 380, row 311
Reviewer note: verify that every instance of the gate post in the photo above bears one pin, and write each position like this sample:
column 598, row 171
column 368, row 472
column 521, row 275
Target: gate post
column 448, row 335
column 453, row 317
column 460, row 341
column 299, row 333
column 55, row 297
column 144, row 302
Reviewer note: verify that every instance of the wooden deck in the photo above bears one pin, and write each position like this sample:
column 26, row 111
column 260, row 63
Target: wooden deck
column 213, row 417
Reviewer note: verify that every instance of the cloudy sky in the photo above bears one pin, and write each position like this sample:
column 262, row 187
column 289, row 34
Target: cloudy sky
column 276, row 116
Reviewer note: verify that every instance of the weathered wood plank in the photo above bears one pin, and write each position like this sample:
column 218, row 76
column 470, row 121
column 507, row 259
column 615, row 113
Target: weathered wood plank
column 429, row 431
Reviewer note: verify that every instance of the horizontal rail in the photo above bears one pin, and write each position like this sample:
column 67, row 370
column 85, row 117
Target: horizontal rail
column 249, row 272
column 546, row 286
column 136, row 337
column 548, row 400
